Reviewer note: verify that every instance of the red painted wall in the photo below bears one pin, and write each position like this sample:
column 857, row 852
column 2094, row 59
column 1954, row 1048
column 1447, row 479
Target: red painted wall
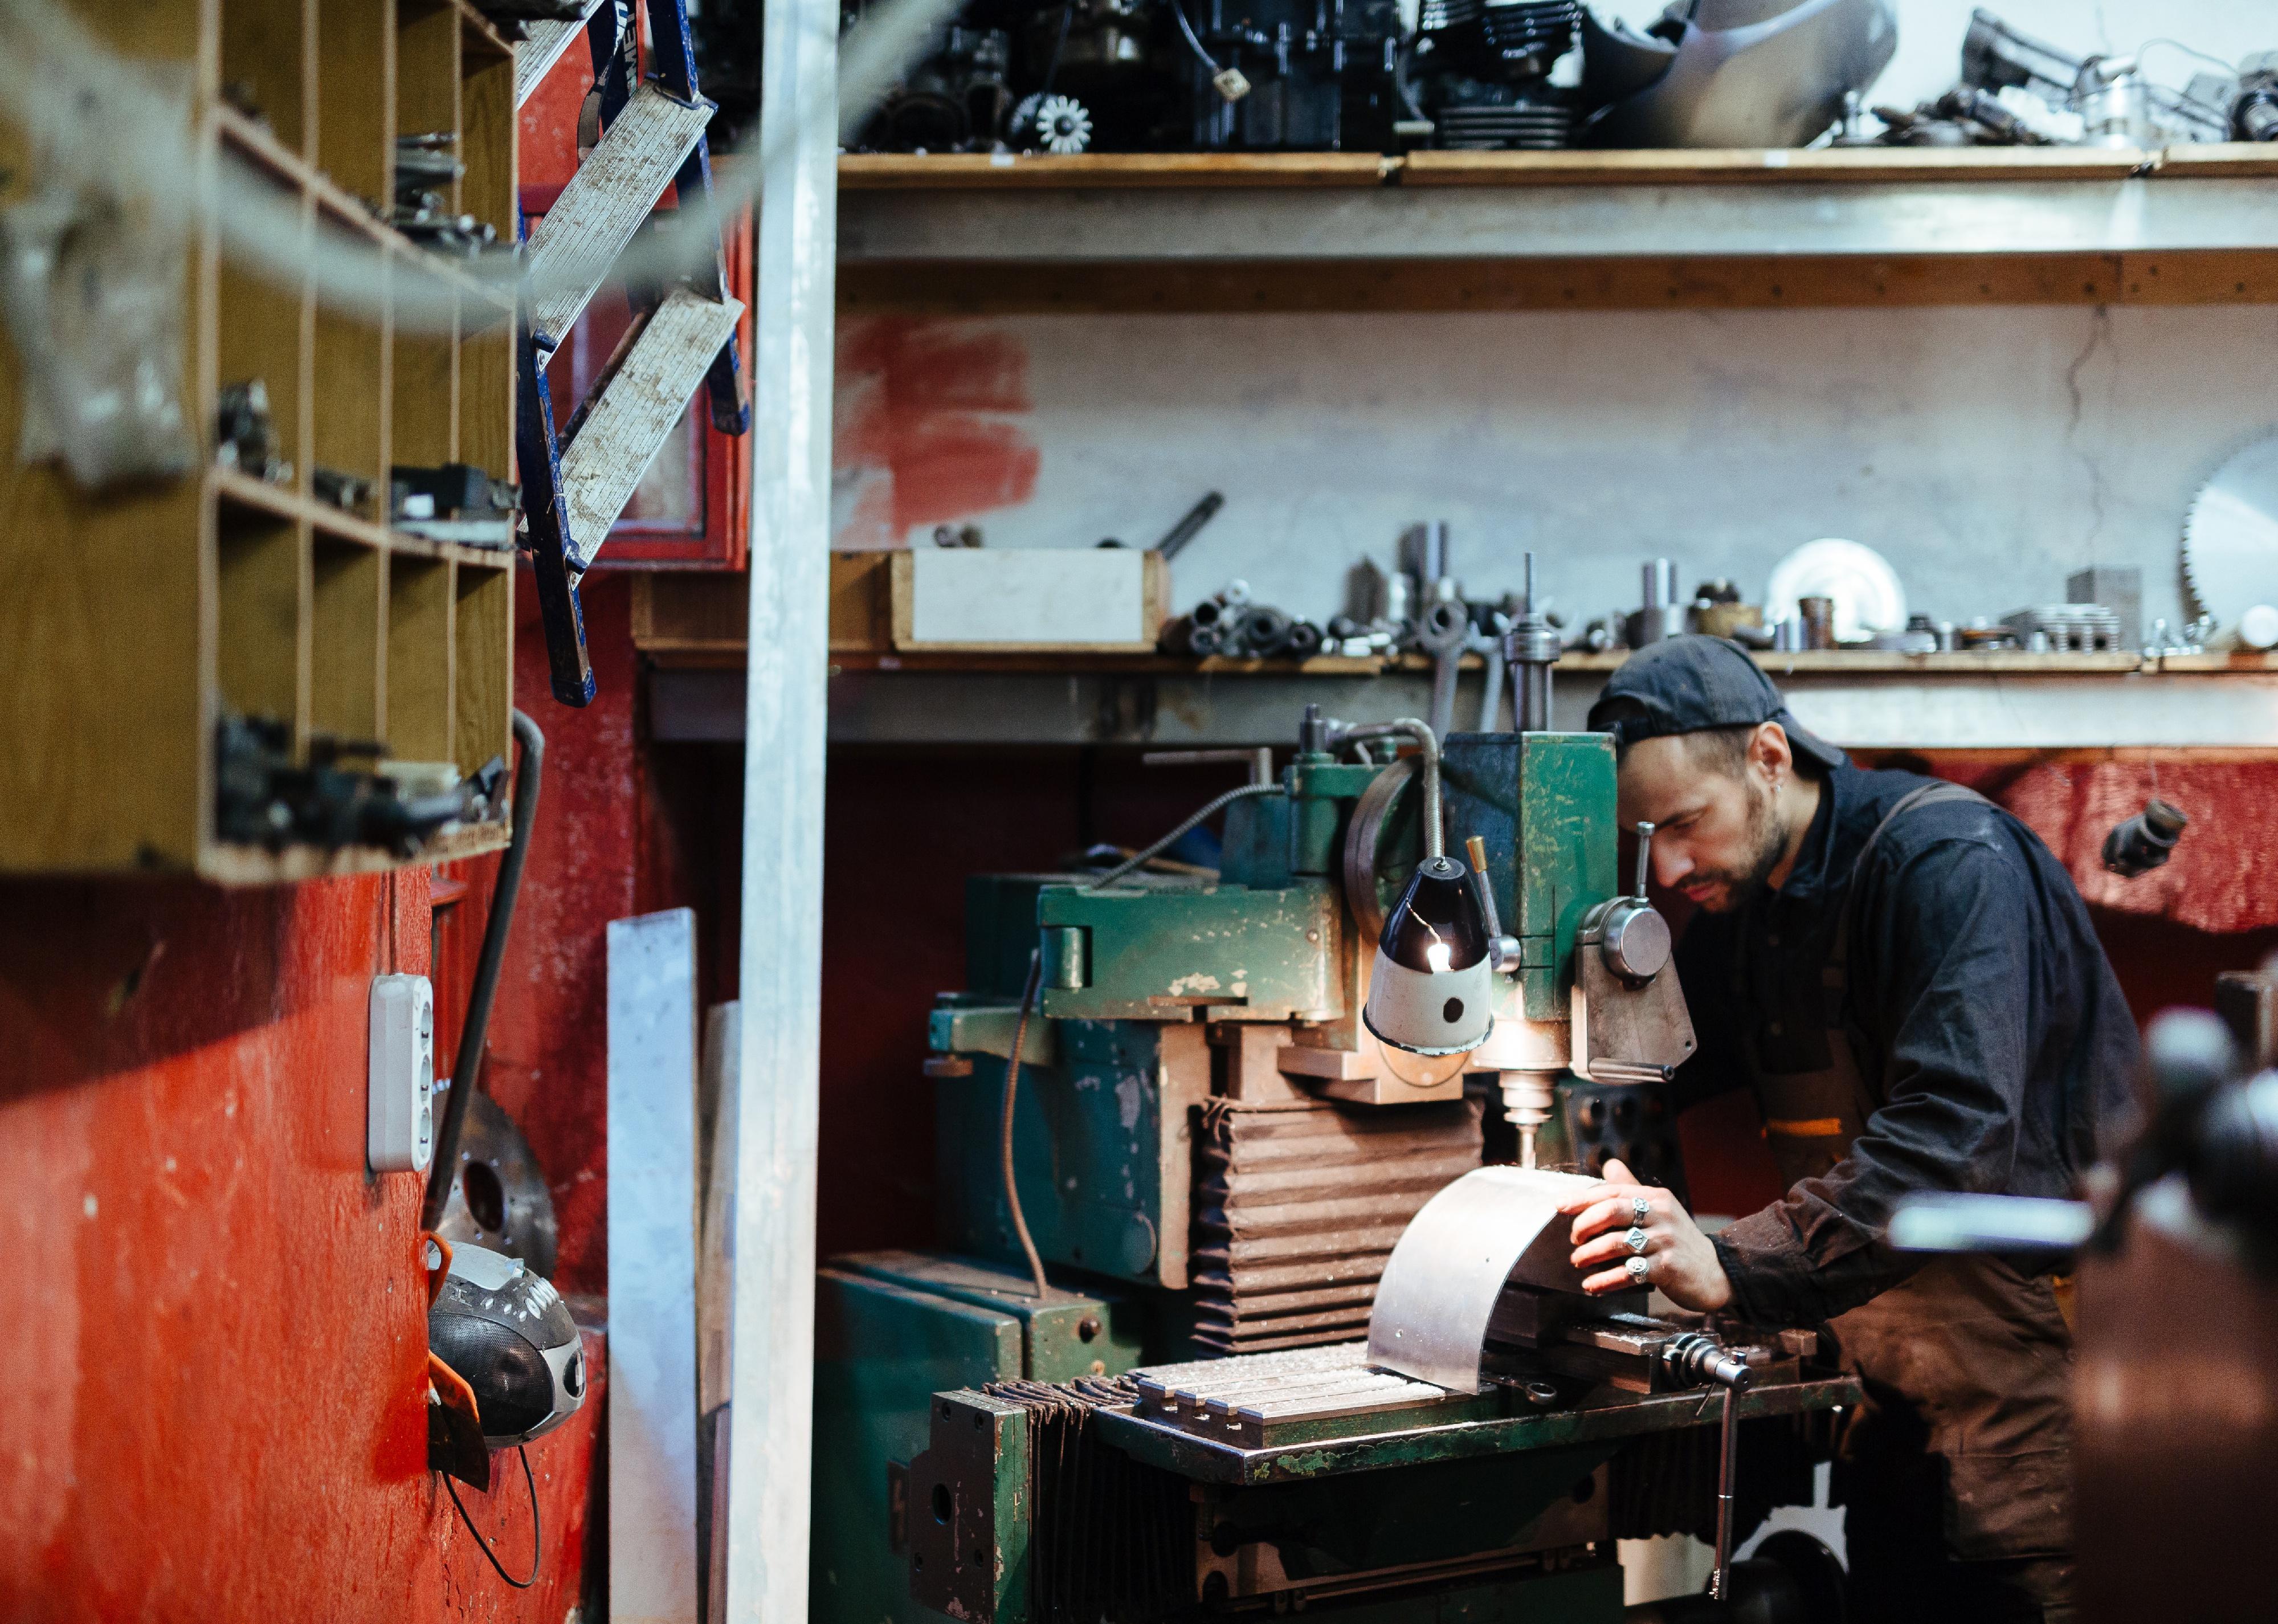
column 212, row 1323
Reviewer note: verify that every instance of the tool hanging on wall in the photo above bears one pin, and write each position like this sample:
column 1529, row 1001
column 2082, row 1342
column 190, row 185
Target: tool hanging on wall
column 648, row 137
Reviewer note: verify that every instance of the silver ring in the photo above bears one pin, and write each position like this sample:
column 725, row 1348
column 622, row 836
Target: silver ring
column 1641, row 1209
column 1638, row 1268
column 1635, row 1241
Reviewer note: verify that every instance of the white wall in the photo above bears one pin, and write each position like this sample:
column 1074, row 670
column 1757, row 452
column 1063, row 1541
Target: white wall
column 1986, row 452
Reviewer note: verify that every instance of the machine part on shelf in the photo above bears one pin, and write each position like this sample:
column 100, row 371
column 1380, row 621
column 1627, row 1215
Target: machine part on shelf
column 955, row 99
column 1262, row 633
column 1056, row 124
column 453, row 502
column 1663, row 612
column 1297, row 1209
column 1486, row 68
column 349, row 493
column 426, row 161
column 426, row 167
column 1920, row 636
column 1291, row 74
column 2230, row 535
column 2254, row 108
column 1745, row 74
column 1175, row 538
column 2117, row 105
column 1817, row 613
column 1305, row 640
column 497, row 1198
column 957, row 535
column 1965, row 116
column 2068, row 628
column 245, row 436
column 1443, row 632
column 505, row 1330
column 263, row 797
column 2257, row 631
column 1868, row 598
column 2119, row 588
column 1531, row 649
column 2146, row 841
column 1488, row 640
column 466, row 1070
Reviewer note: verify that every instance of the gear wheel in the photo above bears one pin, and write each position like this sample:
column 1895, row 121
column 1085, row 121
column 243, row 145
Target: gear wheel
column 2230, row 535
column 1057, row 124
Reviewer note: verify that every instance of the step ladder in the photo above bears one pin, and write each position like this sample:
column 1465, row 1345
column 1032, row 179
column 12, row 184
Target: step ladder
column 575, row 484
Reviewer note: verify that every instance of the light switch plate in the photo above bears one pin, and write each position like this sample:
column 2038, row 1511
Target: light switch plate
column 400, row 1115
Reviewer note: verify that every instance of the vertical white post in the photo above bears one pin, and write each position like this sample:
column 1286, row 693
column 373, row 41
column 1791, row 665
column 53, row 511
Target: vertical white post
column 772, row 1342
column 651, row 1039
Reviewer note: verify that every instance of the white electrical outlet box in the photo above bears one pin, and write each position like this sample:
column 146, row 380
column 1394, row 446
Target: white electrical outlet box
column 400, row 1112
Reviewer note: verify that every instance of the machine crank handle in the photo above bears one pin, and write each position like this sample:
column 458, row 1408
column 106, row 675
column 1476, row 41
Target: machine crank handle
column 1644, row 860
column 1503, row 951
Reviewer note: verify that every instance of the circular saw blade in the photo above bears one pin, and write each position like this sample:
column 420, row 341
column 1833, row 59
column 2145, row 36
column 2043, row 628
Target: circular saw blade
column 2230, row 535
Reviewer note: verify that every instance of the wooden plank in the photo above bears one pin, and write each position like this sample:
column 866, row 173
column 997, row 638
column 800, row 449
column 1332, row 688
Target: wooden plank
column 638, row 408
column 487, row 396
column 419, row 659
column 1786, row 282
column 253, row 865
column 2219, row 160
column 862, row 603
column 1771, row 166
column 482, row 664
column 899, row 172
column 652, row 1255
column 613, row 192
column 345, row 631
column 541, row 47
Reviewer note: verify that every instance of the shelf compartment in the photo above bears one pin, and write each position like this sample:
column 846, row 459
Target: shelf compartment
column 265, row 59
column 419, row 656
column 356, row 112
column 345, row 631
column 264, row 588
column 264, row 332
column 350, row 403
column 489, row 130
column 482, row 674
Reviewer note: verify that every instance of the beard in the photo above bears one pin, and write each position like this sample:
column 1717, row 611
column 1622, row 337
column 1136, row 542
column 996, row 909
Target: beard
column 1736, row 887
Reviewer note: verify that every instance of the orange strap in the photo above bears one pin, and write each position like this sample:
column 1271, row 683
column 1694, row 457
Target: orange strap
column 1806, row 1128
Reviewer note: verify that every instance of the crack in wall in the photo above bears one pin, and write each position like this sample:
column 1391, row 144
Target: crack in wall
column 2099, row 337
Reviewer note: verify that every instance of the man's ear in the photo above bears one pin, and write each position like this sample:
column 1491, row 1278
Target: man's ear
column 1771, row 752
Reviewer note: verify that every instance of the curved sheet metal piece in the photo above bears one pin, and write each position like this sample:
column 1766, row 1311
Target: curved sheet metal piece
column 1441, row 1283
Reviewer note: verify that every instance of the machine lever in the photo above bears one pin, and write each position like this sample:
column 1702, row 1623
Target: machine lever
column 1645, row 860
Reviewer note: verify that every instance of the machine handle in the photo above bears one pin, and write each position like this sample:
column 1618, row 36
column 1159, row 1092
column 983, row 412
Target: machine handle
column 1645, row 859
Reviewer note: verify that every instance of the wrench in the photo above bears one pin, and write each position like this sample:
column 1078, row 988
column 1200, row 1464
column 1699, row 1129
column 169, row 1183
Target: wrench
column 1443, row 633
column 1489, row 643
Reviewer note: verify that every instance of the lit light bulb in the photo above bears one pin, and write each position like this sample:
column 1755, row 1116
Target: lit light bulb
column 1431, row 990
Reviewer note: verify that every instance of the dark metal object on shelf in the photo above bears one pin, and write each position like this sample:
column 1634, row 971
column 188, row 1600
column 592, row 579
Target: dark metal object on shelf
column 2118, row 105
column 2146, row 841
column 956, row 99
column 1483, row 72
column 1175, row 538
column 1740, row 73
column 245, row 436
column 1818, row 617
column 2254, row 110
column 347, row 492
column 2067, row 628
column 455, row 502
column 1320, row 74
column 262, row 796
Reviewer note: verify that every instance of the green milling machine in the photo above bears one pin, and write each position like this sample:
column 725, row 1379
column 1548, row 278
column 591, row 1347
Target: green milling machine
column 1297, row 1344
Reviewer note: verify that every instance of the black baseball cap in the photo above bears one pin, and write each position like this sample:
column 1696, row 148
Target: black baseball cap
column 1683, row 685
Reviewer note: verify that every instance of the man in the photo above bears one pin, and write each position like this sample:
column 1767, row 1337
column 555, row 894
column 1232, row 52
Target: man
column 1909, row 981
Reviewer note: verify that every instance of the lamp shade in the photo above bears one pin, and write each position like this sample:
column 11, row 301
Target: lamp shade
column 1430, row 991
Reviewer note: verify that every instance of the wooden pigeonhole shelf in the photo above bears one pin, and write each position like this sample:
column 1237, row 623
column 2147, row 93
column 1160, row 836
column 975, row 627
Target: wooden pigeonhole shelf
column 137, row 618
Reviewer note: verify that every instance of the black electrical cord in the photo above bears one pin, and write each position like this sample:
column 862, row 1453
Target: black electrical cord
column 1178, row 10
column 1117, row 872
column 536, row 1533
column 1052, row 68
column 1004, row 1146
column 467, row 1067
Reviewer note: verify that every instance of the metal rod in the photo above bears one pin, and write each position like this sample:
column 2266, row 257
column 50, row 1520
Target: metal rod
column 1427, row 744
column 1004, row 1142
column 467, row 1070
column 1644, row 858
column 1720, row 1582
column 1183, row 532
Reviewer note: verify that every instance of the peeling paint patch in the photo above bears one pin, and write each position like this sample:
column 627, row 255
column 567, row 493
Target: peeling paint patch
column 1187, row 986
column 1129, row 1095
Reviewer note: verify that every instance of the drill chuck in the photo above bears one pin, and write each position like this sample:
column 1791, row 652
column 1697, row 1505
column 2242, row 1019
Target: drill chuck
column 1703, row 1361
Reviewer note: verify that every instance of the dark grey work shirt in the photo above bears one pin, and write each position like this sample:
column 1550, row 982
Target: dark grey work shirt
column 1981, row 1011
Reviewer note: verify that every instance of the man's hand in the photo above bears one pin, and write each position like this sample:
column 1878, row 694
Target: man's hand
column 1678, row 1258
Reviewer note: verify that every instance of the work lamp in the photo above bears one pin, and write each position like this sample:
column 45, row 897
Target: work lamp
column 1429, row 993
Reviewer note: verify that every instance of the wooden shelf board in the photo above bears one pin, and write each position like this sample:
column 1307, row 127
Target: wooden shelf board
column 1728, row 166
column 479, row 30
column 860, row 172
column 282, row 502
column 257, row 865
